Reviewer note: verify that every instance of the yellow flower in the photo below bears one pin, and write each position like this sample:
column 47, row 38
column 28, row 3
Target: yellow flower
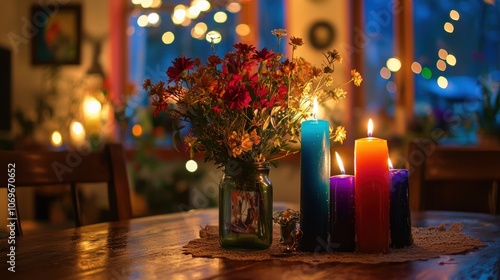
column 255, row 137
column 340, row 134
column 356, row 77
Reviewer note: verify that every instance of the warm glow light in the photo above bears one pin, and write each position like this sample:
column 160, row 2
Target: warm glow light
column 91, row 107
column 167, row 37
column 179, row 14
column 193, row 12
column 390, row 163
column 220, row 17
column 77, row 128
column 442, row 53
column 416, row 67
column 191, row 165
column 137, row 130
column 454, row 15
column 315, row 108
column 156, row 4
column 339, row 162
column 393, row 64
column 441, row 65
column 213, row 37
column 142, row 20
column 153, row 18
column 233, row 7
column 203, row 5
column 451, row 60
column 385, row 73
column 147, row 3
column 242, row 29
column 370, row 128
column 448, row 27
column 186, row 22
column 442, row 82
column 136, row 2
column 56, row 139
column 199, row 30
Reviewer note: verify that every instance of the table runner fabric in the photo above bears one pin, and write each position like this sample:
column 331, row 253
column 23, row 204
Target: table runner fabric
column 429, row 242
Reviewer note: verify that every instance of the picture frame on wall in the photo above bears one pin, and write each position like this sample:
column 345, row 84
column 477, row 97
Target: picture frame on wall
column 57, row 36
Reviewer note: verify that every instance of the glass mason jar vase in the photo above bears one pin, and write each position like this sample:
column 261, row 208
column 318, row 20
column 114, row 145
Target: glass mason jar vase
column 245, row 206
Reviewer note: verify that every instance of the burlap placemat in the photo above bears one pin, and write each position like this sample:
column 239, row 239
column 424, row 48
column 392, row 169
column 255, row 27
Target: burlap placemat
column 429, row 242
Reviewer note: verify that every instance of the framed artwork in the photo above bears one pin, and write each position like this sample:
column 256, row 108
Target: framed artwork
column 57, row 36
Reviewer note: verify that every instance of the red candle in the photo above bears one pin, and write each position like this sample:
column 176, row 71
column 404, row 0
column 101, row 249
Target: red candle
column 371, row 173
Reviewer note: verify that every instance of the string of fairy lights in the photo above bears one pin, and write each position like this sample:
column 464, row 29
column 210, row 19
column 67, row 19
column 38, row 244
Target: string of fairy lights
column 192, row 15
column 444, row 60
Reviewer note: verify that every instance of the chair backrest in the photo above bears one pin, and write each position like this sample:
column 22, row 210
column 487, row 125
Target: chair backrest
column 432, row 166
column 46, row 168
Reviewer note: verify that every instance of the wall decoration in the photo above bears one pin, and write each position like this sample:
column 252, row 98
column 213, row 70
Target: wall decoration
column 322, row 34
column 57, row 36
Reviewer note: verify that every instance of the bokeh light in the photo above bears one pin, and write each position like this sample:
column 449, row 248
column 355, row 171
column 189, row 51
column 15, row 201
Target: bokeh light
column 416, row 67
column 393, row 64
column 168, row 37
column 442, row 53
column 454, row 15
column 191, row 165
column 441, row 65
column 385, row 73
column 426, row 73
column 213, row 37
column 242, row 29
column 56, row 138
column 448, row 27
column 442, row 82
column 391, row 87
column 220, row 17
column 233, row 7
column 137, row 130
column 451, row 60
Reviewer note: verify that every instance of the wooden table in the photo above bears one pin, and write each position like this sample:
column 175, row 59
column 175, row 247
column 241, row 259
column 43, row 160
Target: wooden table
column 151, row 248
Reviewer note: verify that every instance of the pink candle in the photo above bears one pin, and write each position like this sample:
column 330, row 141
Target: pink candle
column 371, row 173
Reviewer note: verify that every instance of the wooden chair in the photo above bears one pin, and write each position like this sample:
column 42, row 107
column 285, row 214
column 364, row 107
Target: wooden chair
column 51, row 168
column 461, row 178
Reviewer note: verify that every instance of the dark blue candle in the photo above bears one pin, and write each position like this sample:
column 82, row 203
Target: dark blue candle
column 342, row 228
column 314, row 185
column 400, row 220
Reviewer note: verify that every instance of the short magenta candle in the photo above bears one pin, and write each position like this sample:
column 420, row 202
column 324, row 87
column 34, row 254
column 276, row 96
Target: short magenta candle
column 371, row 194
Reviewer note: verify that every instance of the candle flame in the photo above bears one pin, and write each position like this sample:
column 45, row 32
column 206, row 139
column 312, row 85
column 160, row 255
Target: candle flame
column 390, row 163
column 315, row 108
column 370, row 128
column 339, row 162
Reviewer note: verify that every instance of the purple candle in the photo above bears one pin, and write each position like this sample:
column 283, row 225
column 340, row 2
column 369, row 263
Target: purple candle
column 342, row 227
column 400, row 219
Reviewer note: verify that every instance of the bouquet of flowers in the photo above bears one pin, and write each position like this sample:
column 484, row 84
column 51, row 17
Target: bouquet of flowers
column 249, row 104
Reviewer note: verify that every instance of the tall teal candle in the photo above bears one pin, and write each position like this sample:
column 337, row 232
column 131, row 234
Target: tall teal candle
column 314, row 185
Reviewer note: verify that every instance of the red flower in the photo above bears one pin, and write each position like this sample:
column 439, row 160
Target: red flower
column 236, row 96
column 244, row 49
column 217, row 110
column 264, row 54
column 180, row 65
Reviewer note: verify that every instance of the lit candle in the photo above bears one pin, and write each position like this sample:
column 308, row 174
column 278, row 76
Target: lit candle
column 371, row 173
column 400, row 220
column 314, row 184
column 342, row 229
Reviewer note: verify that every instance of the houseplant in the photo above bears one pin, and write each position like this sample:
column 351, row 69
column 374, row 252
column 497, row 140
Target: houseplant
column 245, row 111
column 489, row 114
